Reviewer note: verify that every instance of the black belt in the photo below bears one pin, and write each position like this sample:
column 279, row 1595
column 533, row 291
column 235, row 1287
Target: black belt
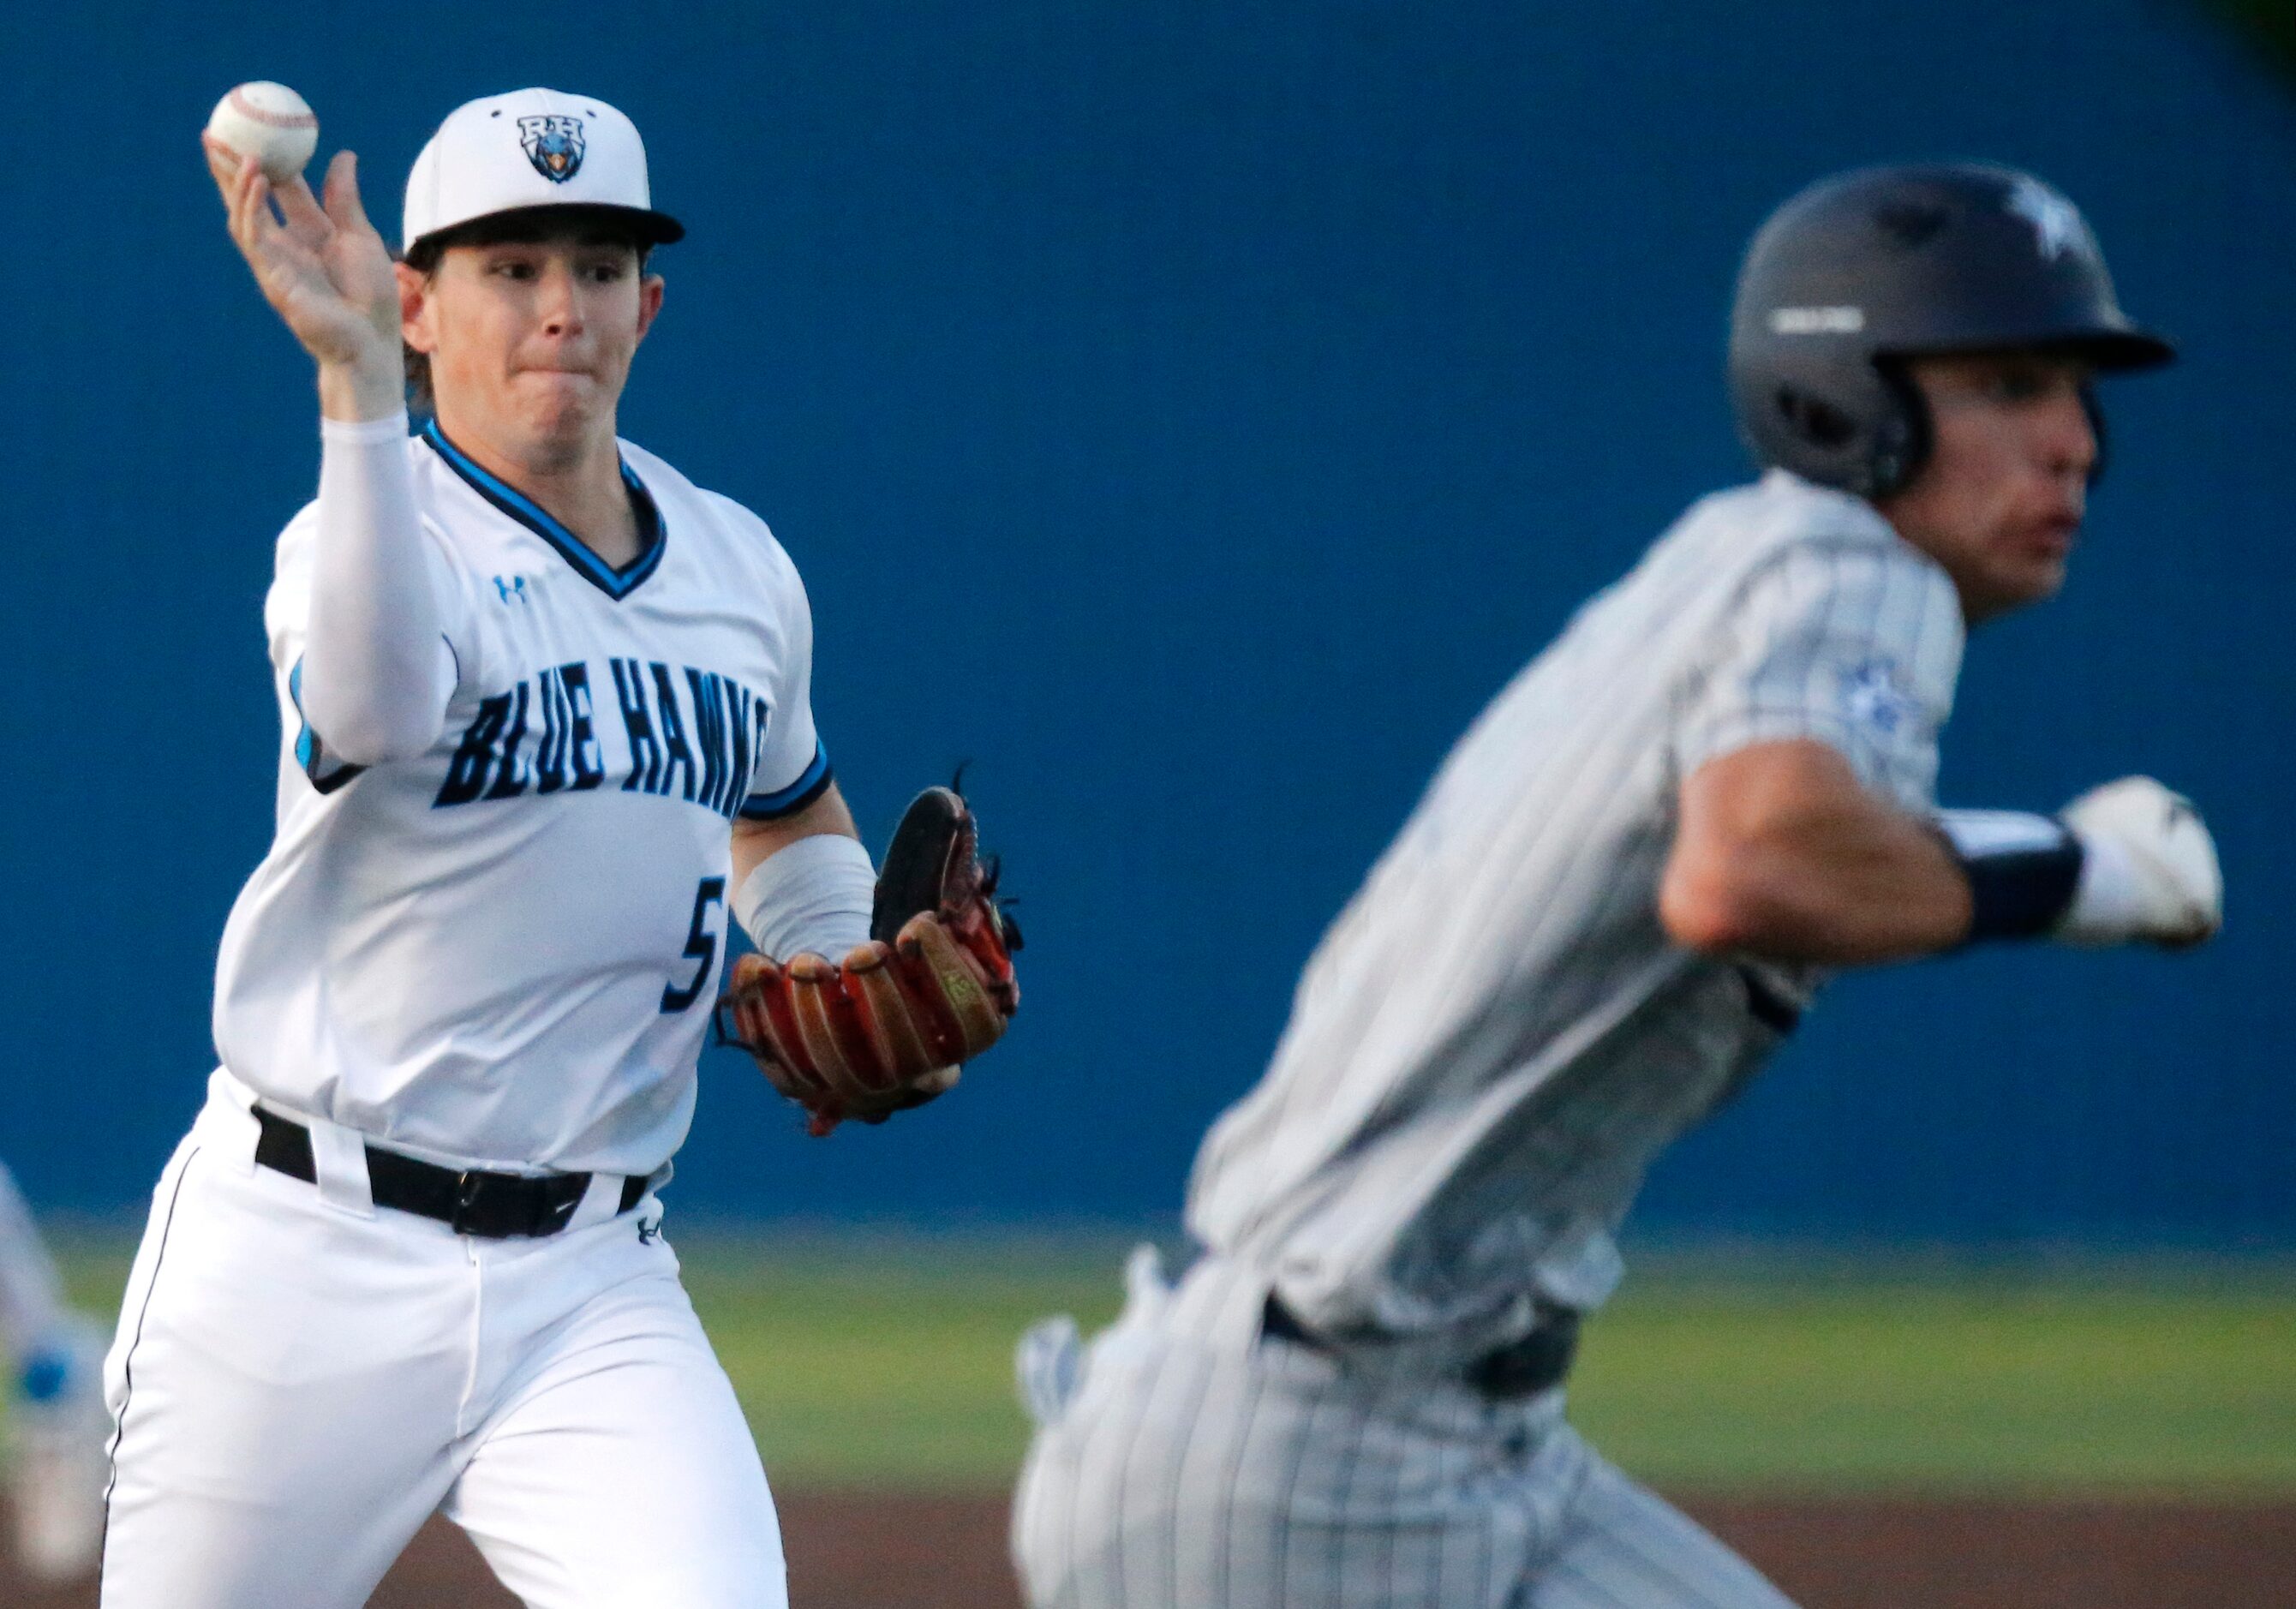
column 1523, row 1367
column 493, row 1206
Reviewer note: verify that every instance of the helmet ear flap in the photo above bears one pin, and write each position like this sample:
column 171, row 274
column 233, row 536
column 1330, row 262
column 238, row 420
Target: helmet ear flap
column 1814, row 419
column 1902, row 434
column 1841, row 419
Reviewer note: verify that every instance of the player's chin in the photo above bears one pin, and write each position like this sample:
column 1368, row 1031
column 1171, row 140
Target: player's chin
column 560, row 387
column 2034, row 579
column 560, row 402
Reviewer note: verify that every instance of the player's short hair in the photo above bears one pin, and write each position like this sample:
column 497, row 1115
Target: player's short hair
column 524, row 226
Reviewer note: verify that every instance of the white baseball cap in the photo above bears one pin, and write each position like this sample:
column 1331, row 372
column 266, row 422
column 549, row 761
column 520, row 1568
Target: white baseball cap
column 531, row 148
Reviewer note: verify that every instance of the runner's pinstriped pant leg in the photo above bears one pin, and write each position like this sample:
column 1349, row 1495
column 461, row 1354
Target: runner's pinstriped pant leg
column 1219, row 1471
column 1623, row 1547
column 1193, row 1463
column 1278, row 1494
column 1281, row 1492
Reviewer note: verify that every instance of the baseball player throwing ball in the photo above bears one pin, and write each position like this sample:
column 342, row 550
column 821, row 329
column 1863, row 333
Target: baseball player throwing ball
column 1612, row 904
column 546, row 724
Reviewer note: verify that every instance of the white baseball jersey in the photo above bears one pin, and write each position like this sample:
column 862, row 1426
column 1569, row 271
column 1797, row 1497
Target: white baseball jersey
column 503, row 953
column 1497, row 1036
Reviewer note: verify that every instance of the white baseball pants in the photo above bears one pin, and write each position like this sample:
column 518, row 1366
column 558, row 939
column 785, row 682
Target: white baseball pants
column 301, row 1378
column 1195, row 1465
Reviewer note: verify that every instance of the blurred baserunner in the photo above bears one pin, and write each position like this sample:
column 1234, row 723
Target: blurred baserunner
column 1624, row 885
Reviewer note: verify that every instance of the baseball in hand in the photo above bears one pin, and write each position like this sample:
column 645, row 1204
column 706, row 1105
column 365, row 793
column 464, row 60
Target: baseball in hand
column 269, row 124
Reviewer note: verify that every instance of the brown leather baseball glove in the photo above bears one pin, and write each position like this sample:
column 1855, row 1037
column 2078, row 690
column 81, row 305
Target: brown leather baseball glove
column 887, row 1028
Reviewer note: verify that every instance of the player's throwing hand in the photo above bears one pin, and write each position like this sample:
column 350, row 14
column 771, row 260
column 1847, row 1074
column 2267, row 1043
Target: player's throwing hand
column 324, row 268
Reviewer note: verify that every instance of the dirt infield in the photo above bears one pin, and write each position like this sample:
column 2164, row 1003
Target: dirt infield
column 883, row 1552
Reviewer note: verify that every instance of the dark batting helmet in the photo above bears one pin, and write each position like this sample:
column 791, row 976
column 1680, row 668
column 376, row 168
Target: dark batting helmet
column 1889, row 263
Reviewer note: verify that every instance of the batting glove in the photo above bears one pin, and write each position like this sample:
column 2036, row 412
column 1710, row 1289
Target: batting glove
column 2149, row 868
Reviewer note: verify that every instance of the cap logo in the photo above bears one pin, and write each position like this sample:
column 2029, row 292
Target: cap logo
column 2057, row 225
column 554, row 144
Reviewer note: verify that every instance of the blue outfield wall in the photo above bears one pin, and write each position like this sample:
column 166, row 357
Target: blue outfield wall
column 1190, row 414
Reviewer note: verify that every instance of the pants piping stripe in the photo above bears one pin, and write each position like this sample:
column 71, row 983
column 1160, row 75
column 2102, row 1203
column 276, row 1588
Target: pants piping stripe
column 128, row 1363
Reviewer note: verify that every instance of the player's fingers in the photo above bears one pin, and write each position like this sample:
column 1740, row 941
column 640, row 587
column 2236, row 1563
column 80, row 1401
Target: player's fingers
column 345, row 210
column 301, row 210
column 223, row 167
column 280, row 246
column 810, row 966
column 836, row 1038
column 752, row 1027
column 777, row 1024
column 887, row 1014
column 969, row 976
column 240, row 217
column 233, row 179
column 869, row 952
column 944, row 1034
column 251, row 223
column 754, row 978
column 749, row 967
column 947, row 982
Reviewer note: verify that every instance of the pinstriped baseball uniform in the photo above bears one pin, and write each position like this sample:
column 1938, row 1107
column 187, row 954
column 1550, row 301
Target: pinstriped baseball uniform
column 1486, row 1052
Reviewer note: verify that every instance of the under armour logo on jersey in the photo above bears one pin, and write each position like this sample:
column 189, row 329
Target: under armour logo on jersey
column 1875, row 695
column 554, row 144
column 511, row 587
column 2057, row 224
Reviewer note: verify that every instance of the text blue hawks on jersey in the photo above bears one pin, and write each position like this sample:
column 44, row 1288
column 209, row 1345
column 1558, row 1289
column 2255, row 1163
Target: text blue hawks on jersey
column 397, row 963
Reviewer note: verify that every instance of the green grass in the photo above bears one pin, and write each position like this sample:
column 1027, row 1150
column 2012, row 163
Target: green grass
column 886, row 1366
column 887, row 1363
column 2061, row 1385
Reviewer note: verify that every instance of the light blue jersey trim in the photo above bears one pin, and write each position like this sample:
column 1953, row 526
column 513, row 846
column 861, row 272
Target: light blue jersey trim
column 310, row 752
column 614, row 583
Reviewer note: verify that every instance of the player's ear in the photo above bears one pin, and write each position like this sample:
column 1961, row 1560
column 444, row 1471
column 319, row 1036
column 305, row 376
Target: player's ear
column 649, row 302
column 415, row 307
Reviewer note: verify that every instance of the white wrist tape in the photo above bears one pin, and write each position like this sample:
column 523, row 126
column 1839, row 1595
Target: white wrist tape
column 366, row 432
column 813, row 894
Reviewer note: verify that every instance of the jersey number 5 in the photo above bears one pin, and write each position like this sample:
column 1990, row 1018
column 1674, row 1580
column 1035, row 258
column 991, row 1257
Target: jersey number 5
column 701, row 944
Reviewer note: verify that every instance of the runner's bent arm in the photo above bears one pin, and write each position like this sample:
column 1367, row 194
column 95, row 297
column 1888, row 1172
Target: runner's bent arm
column 1780, row 852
